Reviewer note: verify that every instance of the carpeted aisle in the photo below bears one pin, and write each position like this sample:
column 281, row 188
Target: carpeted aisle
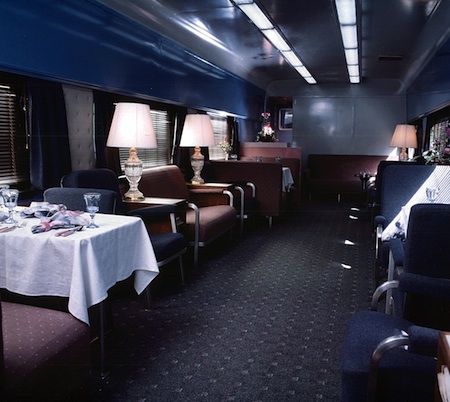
column 263, row 319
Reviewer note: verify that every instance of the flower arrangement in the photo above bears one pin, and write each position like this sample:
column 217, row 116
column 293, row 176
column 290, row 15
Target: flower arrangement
column 225, row 146
column 439, row 153
column 267, row 134
column 432, row 156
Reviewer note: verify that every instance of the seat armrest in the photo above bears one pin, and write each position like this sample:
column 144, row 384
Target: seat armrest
column 437, row 288
column 196, row 210
column 246, row 184
column 204, row 197
column 380, row 220
column 253, row 187
column 153, row 211
column 380, row 290
column 423, row 340
column 155, row 214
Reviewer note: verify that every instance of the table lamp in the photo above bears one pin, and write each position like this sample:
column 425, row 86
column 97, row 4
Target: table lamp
column 197, row 132
column 132, row 127
column 404, row 137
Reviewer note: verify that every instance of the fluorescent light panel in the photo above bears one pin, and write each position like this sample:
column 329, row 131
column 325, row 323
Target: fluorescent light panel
column 346, row 10
column 276, row 39
column 292, row 58
column 252, row 11
column 257, row 16
column 351, row 55
column 349, row 36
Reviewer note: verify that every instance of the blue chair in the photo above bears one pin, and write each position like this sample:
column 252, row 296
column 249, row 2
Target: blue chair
column 100, row 178
column 375, row 364
column 399, row 183
column 422, row 262
column 168, row 245
column 73, row 198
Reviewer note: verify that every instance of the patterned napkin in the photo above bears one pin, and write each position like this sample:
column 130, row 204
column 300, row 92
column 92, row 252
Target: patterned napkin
column 41, row 209
column 60, row 220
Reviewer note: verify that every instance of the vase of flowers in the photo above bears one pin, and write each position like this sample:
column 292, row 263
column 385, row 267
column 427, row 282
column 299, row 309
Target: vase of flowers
column 267, row 134
column 226, row 148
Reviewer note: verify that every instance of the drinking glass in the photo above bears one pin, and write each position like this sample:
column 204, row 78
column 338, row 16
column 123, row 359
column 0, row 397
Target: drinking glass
column 10, row 197
column 92, row 205
column 3, row 187
column 432, row 193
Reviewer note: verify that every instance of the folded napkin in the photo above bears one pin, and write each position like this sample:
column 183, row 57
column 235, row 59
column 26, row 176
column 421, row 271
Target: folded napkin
column 60, row 220
column 3, row 216
column 41, row 210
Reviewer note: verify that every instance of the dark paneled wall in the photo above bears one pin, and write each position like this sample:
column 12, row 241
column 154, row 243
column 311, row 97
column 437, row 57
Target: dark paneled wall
column 431, row 90
column 344, row 119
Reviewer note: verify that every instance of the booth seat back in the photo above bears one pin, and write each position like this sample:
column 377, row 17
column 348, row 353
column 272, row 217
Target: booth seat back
column 266, row 176
column 164, row 181
column 379, row 177
column 342, row 167
column 44, row 353
column 201, row 229
column 336, row 173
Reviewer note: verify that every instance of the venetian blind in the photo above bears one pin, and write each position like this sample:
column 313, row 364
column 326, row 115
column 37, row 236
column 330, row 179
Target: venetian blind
column 161, row 155
column 220, row 128
column 14, row 165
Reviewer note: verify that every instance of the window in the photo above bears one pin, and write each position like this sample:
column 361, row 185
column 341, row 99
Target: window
column 14, row 155
column 161, row 155
column 220, row 128
column 438, row 134
column 285, row 119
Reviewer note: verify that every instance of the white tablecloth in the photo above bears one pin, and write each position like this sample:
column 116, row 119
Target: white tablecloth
column 82, row 266
column 288, row 180
column 439, row 179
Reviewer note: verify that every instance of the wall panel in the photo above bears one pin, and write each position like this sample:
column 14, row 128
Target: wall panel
column 81, row 42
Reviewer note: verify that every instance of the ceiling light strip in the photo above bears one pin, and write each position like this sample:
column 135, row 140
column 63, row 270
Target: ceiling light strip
column 346, row 11
column 273, row 35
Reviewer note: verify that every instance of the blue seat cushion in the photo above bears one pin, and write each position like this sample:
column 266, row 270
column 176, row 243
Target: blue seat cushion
column 167, row 244
column 402, row 376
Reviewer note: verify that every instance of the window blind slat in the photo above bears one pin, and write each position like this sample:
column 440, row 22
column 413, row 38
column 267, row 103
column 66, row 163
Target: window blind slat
column 14, row 165
column 161, row 155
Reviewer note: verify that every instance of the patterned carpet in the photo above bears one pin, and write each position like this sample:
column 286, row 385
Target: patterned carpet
column 262, row 320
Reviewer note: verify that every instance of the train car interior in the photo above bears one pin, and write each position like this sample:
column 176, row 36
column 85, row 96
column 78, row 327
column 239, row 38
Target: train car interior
column 224, row 200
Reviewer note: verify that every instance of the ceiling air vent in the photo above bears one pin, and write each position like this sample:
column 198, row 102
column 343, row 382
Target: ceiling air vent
column 386, row 57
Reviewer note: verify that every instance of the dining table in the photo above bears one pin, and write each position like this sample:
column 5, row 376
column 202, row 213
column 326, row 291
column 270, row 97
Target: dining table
column 439, row 183
column 82, row 266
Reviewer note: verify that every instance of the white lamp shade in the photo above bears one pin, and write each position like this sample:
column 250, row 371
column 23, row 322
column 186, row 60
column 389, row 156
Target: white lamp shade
column 404, row 136
column 132, row 126
column 197, row 131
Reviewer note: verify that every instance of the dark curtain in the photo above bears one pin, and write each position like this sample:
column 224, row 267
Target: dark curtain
column 104, row 110
column 234, row 136
column 181, row 155
column 49, row 138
